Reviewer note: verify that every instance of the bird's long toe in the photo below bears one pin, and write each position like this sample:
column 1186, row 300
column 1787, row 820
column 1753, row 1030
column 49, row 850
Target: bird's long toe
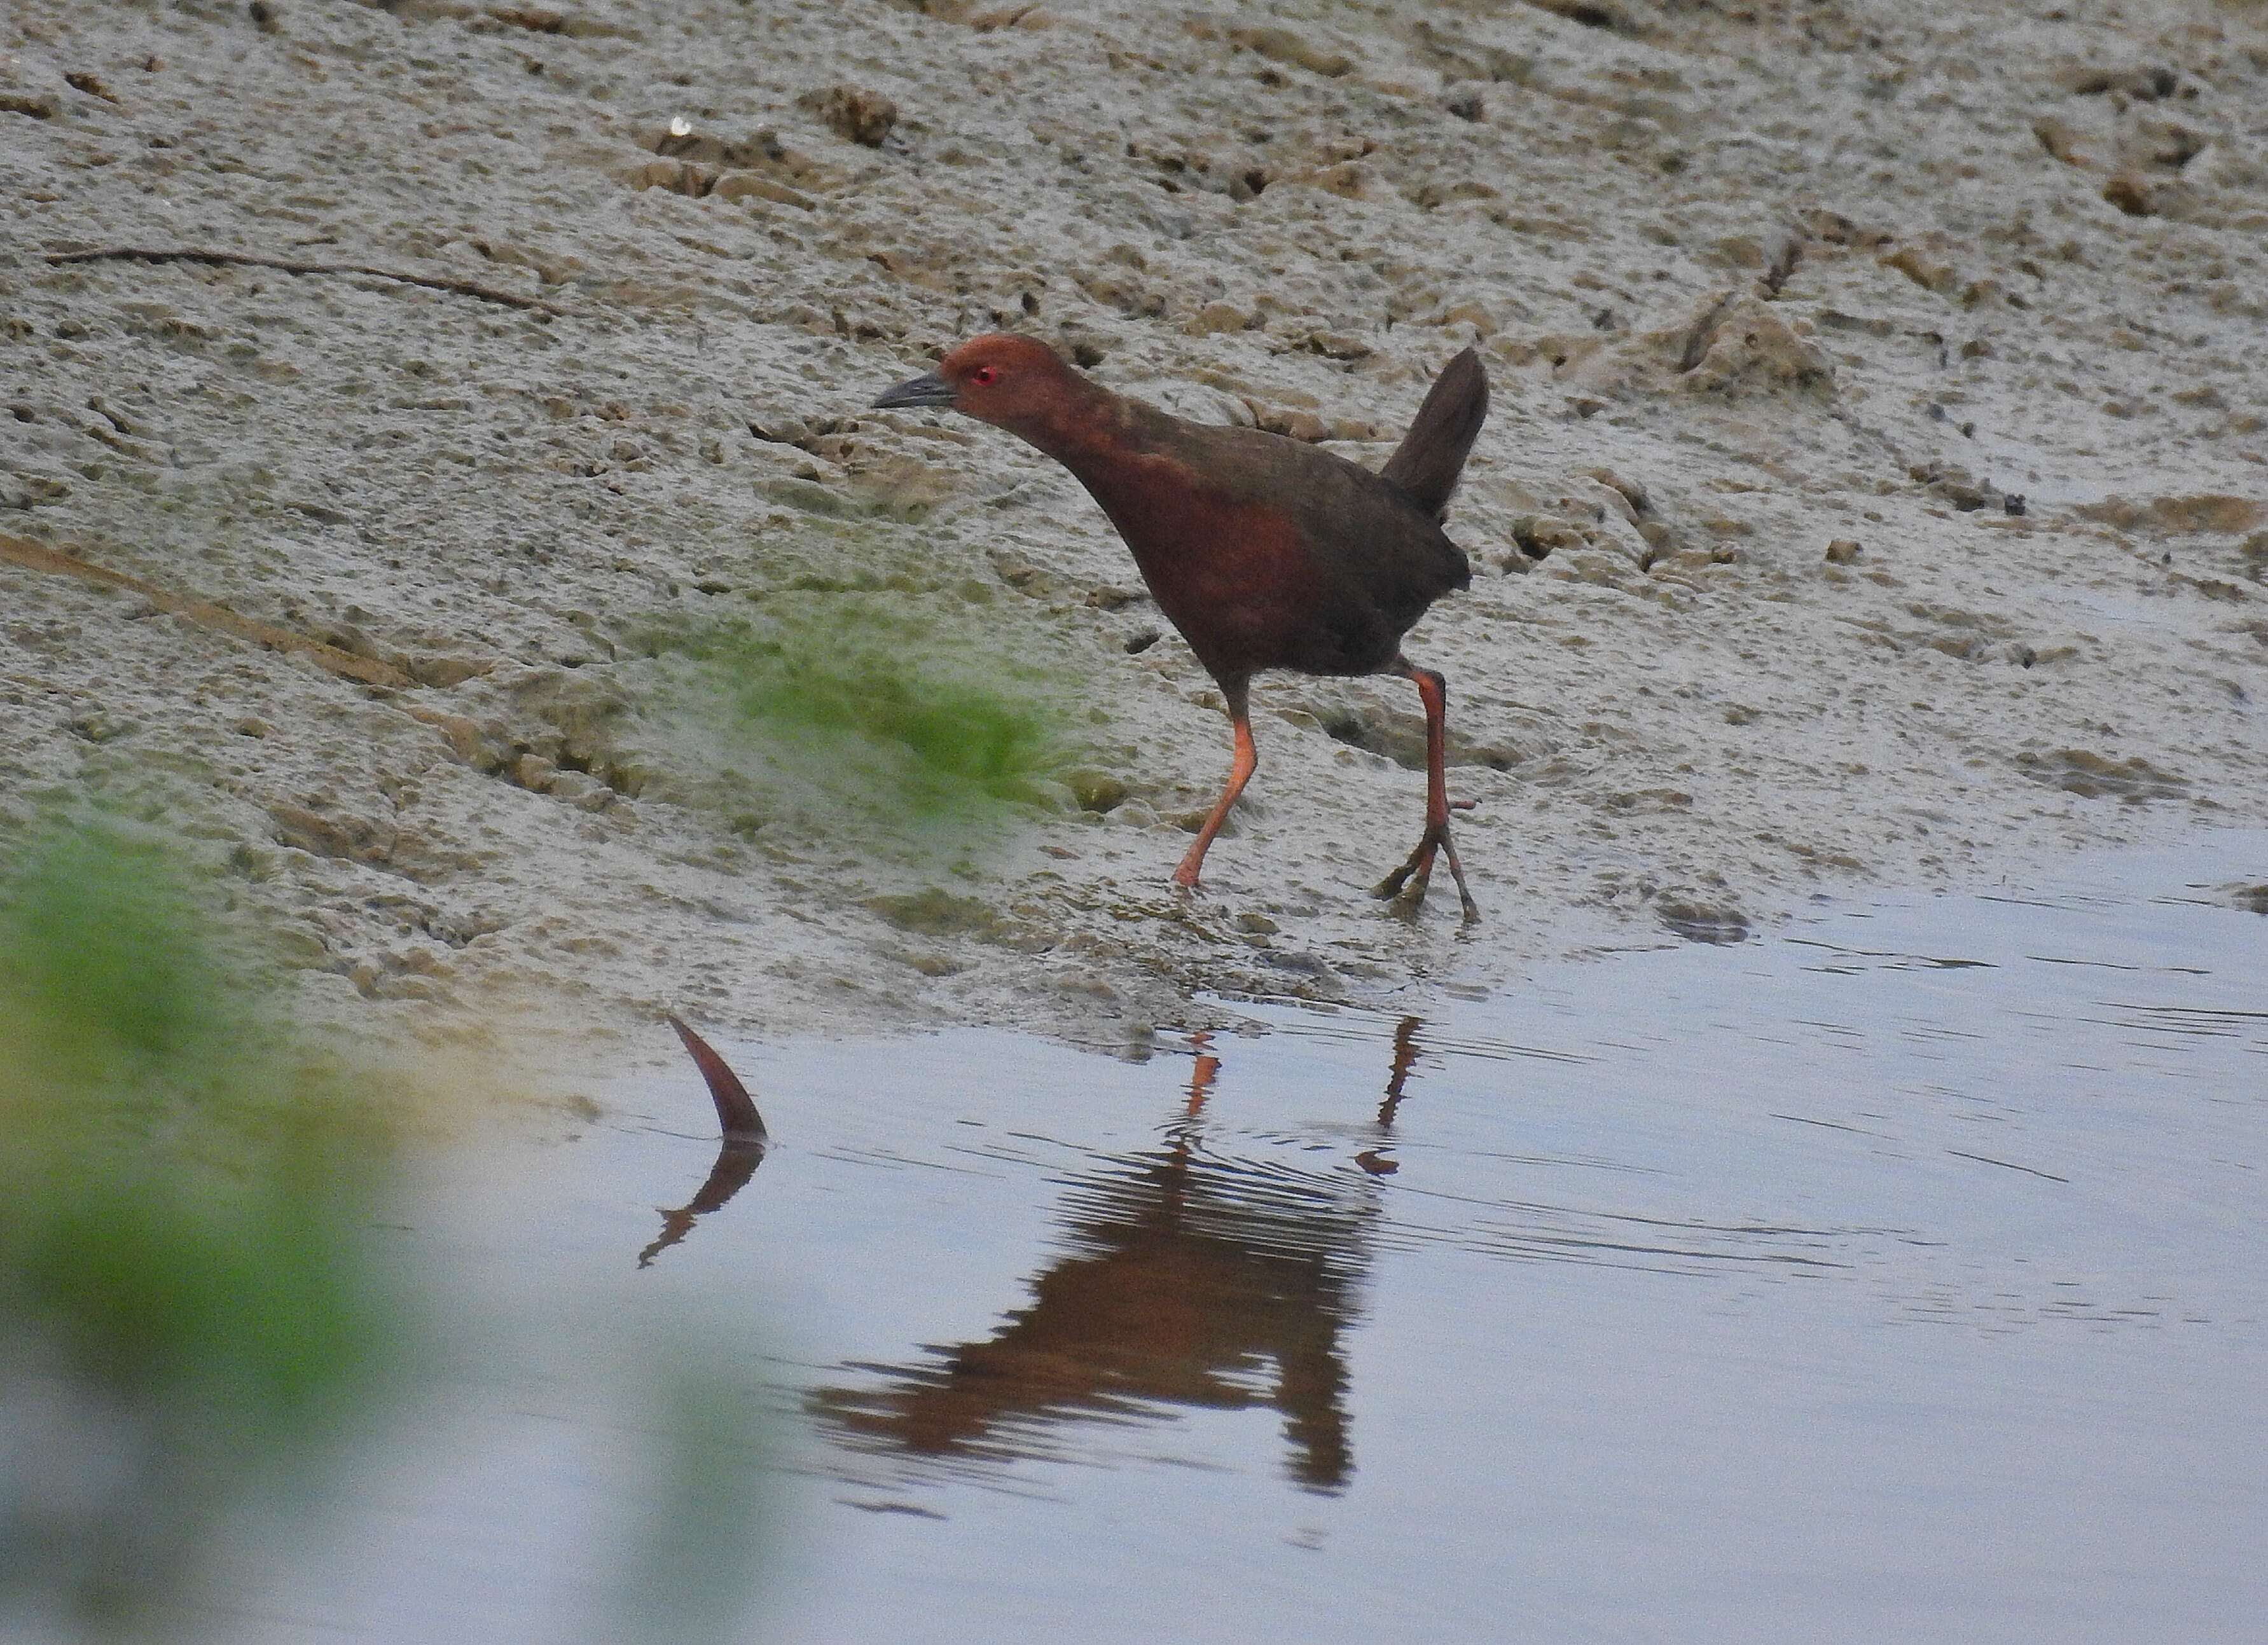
column 1406, row 885
column 1472, row 909
column 1392, row 884
column 1412, row 899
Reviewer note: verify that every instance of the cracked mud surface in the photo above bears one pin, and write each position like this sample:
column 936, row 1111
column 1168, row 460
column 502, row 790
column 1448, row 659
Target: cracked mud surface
column 1876, row 489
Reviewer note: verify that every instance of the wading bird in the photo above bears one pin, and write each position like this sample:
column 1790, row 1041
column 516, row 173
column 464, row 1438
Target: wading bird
column 1265, row 552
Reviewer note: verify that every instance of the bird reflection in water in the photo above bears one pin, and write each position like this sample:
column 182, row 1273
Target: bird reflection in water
column 1187, row 1279
column 739, row 1150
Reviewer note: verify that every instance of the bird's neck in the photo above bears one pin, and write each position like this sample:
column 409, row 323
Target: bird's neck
column 1087, row 425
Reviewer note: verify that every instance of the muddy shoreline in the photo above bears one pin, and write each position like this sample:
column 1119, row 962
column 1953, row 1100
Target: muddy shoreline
column 1874, row 494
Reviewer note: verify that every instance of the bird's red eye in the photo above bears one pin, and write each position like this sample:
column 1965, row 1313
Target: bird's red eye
column 982, row 376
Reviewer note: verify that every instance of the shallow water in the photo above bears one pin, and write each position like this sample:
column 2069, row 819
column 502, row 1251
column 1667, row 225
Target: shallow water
column 1901, row 1274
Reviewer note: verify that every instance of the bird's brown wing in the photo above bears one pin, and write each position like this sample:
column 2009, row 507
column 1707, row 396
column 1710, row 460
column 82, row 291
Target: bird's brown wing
column 1377, row 561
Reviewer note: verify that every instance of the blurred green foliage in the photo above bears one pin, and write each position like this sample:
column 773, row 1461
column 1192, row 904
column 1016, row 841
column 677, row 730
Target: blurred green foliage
column 911, row 719
column 192, row 1317
column 106, row 969
column 187, row 1309
column 680, row 1574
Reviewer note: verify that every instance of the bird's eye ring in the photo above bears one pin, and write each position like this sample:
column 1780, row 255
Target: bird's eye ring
column 982, row 376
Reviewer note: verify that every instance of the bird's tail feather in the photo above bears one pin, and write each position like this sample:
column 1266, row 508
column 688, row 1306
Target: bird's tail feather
column 1431, row 458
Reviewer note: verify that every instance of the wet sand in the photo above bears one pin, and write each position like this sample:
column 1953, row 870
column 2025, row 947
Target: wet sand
column 1899, row 1276
column 1873, row 493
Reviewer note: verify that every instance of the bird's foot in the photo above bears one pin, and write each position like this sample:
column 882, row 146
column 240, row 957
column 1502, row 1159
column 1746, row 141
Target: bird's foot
column 1406, row 886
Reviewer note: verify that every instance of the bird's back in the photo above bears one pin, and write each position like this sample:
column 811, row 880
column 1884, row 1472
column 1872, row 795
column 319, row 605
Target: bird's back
column 1269, row 553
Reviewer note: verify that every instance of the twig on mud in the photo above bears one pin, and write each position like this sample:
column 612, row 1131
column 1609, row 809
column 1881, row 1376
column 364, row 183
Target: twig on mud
column 39, row 557
column 1704, row 333
column 194, row 254
column 50, row 688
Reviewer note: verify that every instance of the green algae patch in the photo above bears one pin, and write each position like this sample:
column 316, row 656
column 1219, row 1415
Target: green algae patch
column 911, row 720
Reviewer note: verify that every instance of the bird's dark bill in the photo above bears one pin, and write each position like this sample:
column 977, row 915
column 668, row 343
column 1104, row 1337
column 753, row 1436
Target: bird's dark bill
column 931, row 390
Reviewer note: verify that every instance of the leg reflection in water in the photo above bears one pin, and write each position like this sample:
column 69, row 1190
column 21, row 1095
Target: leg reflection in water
column 1186, row 1278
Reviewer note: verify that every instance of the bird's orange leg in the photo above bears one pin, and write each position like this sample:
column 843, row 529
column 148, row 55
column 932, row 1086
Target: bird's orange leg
column 1240, row 773
column 1420, row 868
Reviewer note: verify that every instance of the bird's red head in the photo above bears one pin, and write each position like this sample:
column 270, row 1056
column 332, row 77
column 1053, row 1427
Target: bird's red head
column 1014, row 382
